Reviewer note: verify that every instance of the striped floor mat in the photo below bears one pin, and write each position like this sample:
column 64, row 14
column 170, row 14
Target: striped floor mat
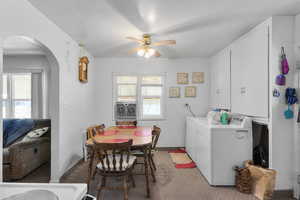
column 181, row 159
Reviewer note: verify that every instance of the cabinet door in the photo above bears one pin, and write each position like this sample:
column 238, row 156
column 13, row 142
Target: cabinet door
column 257, row 83
column 238, row 53
column 220, row 80
column 223, row 83
column 213, row 83
column 249, row 66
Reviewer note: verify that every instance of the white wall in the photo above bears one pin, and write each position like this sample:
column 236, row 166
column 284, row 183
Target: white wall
column 296, row 125
column 281, row 129
column 74, row 107
column 173, row 127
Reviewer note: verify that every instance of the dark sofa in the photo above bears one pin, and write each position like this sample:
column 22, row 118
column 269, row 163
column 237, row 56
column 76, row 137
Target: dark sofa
column 22, row 157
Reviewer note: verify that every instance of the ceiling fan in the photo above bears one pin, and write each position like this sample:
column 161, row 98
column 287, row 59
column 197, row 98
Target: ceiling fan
column 146, row 46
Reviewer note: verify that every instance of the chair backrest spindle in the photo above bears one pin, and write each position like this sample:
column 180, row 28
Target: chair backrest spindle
column 112, row 154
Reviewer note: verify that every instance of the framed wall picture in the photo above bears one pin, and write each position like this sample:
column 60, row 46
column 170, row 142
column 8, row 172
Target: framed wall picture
column 198, row 77
column 83, row 69
column 174, row 92
column 190, row 91
column 182, row 78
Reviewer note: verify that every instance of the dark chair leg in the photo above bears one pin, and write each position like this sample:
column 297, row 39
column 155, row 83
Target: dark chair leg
column 132, row 179
column 146, row 171
column 90, row 171
column 94, row 174
column 125, row 188
column 151, row 169
column 103, row 183
column 152, row 161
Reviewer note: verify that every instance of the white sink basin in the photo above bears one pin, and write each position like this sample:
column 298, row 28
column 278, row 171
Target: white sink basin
column 42, row 191
column 34, row 195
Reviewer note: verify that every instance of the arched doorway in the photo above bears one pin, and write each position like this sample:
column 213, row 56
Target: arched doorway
column 44, row 104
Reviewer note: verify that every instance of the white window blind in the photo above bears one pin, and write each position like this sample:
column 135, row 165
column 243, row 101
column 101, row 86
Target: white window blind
column 16, row 95
column 126, row 88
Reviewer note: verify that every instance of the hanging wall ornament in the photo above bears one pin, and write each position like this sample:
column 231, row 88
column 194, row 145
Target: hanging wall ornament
column 284, row 62
column 83, row 64
column 280, row 80
column 276, row 93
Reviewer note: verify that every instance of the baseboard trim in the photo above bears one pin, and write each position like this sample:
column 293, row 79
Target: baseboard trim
column 167, row 148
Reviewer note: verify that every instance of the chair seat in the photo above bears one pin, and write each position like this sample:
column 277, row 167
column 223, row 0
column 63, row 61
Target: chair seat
column 125, row 165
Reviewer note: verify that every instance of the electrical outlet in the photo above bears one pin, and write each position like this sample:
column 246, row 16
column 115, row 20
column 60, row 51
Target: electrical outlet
column 298, row 64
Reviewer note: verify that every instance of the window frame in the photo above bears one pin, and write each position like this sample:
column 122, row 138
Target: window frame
column 10, row 108
column 139, row 96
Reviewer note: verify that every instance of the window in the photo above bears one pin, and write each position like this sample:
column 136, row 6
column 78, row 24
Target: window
column 126, row 88
column 145, row 90
column 16, row 95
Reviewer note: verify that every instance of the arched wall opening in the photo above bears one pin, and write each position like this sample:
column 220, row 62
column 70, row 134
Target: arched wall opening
column 52, row 98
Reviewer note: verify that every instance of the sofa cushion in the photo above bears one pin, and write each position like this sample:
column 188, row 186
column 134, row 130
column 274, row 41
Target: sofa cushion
column 6, row 159
column 13, row 129
column 36, row 133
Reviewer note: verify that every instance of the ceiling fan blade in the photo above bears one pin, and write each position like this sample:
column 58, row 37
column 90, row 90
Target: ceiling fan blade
column 164, row 42
column 135, row 39
column 130, row 10
column 135, row 50
column 157, row 54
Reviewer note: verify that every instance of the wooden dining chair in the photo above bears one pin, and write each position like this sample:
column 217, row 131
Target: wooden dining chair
column 126, row 123
column 93, row 130
column 115, row 160
column 89, row 155
column 155, row 136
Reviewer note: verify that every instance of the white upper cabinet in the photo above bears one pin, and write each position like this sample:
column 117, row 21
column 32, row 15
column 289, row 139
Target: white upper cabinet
column 220, row 80
column 249, row 73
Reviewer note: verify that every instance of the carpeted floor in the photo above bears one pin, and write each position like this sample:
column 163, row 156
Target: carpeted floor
column 172, row 183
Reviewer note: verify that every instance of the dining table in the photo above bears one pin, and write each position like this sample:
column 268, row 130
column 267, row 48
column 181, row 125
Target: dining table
column 141, row 138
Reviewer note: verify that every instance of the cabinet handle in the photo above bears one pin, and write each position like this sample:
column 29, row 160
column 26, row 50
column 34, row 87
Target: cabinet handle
column 241, row 134
column 243, row 90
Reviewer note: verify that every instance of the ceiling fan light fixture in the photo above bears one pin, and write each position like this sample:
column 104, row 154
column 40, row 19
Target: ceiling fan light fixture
column 151, row 52
column 141, row 52
column 147, row 55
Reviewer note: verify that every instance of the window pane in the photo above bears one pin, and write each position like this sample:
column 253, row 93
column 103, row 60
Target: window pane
column 151, row 107
column 127, row 79
column 21, row 84
column 152, row 80
column 4, row 109
column 22, row 109
column 126, row 90
column 4, row 94
column 151, row 91
column 126, row 99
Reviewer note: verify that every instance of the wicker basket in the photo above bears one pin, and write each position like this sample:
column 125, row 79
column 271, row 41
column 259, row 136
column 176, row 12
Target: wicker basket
column 243, row 180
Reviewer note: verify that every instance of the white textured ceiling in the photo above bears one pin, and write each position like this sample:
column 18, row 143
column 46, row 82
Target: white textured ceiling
column 200, row 27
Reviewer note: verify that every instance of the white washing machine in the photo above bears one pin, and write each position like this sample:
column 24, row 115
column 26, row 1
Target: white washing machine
column 216, row 149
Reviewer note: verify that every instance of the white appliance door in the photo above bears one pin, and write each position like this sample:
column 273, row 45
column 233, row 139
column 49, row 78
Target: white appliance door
column 230, row 147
